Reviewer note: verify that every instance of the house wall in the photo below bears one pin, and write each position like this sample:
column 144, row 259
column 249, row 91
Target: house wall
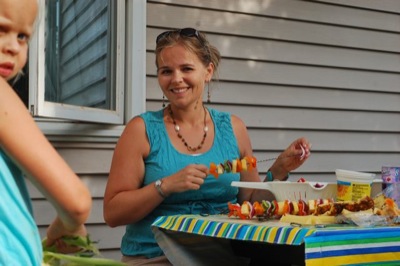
column 326, row 70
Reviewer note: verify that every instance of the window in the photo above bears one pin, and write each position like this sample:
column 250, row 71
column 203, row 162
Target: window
column 78, row 57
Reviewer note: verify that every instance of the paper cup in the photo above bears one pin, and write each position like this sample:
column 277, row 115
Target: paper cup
column 352, row 185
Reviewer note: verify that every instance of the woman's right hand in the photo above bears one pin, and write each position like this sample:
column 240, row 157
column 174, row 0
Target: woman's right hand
column 189, row 178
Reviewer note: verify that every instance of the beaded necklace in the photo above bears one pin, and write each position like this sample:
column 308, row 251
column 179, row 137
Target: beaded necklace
column 177, row 128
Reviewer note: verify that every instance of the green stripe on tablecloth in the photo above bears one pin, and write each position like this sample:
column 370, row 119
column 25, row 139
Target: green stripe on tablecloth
column 357, row 245
column 354, row 237
column 348, row 241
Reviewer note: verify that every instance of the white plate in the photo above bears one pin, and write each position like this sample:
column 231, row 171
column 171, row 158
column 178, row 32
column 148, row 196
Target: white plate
column 294, row 190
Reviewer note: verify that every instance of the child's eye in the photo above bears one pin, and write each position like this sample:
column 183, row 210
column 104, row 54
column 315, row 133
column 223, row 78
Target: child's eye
column 23, row 37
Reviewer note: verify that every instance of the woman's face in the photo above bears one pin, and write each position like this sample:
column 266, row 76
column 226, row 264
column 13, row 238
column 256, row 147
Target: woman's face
column 17, row 18
column 182, row 76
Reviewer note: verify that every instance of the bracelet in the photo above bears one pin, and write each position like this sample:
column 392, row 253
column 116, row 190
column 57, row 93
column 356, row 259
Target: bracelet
column 157, row 184
column 269, row 177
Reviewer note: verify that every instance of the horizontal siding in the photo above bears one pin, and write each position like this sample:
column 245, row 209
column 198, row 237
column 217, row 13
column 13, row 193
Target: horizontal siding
column 390, row 6
column 95, row 183
column 312, row 11
column 312, row 119
column 81, row 160
column 296, row 53
column 320, row 69
column 230, row 23
column 252, row 71
column 293, row 96
column 47, row 212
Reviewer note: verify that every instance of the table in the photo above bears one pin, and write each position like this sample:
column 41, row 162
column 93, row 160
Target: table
column 332, row 245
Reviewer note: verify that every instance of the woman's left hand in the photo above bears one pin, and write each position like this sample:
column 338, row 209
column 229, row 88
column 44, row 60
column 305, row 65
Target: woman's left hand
column 295, row 155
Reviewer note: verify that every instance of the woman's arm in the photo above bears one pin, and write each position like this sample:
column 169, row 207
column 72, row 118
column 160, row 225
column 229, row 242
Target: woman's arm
column 291, row 158
column 23, row 141
column 245, row 149
column 125, row 200
column 286, row 162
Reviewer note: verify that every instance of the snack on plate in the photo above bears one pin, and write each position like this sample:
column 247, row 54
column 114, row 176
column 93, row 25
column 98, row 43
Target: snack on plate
column 386, row 206
column 308, row 219
column 303, row 180
column 365, row 212
column 384, row 213
column 275, row 209
column 287, row 209
column 235, row 166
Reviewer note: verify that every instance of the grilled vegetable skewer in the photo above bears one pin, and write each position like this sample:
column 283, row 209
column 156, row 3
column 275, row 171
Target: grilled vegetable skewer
column 235, row 166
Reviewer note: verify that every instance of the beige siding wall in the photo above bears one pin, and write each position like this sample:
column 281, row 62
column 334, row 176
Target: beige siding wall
column 326, row 70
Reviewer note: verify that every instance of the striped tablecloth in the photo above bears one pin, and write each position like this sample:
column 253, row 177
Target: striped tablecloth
column 333, row 245
column 356, row 246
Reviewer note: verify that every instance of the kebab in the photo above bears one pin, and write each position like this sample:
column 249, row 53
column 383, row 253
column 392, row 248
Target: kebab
column 246, row 163
column 316, row 207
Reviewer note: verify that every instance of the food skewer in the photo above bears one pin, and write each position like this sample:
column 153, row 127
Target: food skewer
column 245, row 164
column 303, row 153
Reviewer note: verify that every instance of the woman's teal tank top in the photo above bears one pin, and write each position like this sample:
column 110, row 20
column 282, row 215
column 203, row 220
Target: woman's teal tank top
column 165, row 160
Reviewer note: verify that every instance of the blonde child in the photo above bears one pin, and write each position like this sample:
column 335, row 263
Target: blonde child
column 24, row 150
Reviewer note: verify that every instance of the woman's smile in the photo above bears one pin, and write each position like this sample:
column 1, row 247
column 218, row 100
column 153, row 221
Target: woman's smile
column 179, row 90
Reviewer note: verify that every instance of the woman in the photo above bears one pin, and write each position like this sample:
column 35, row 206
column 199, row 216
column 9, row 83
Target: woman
column 160, row 164
column 24, row 150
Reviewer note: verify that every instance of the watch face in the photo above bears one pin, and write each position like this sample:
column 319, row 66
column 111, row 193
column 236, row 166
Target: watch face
column 158, row 182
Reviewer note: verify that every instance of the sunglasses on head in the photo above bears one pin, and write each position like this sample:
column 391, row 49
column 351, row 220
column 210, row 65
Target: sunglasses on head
column 187, row 32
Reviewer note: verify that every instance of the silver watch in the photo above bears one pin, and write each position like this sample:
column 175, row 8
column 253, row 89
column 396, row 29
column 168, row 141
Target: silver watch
column 157, row 184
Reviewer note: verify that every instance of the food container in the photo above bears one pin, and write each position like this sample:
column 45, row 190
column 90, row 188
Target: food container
column 294, row 190
column 390, row 175
column 352, row 185
column 391, row 182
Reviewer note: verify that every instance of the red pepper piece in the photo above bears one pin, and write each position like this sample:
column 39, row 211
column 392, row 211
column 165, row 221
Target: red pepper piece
column 258, row 209
column 254, row 162
column 234, row 210
column 213, row 170
column 239, row 167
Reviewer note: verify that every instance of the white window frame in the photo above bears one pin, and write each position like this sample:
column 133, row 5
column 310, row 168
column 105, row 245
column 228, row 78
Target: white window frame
column 40, row 107
column 131, row 80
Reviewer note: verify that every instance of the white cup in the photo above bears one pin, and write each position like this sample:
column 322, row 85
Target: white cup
column 353, row 185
